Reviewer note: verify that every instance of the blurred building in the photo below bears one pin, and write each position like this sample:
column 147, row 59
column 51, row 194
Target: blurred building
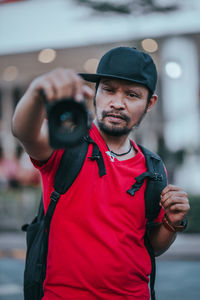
column 37, row 36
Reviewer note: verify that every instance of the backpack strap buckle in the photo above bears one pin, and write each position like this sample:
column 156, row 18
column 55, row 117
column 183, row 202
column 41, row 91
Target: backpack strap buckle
column 96, row 155
column 55, row 196
column 140, row 180
column 157, row 177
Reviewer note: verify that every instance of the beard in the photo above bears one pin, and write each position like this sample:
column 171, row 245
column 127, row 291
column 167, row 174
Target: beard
column 115, row 130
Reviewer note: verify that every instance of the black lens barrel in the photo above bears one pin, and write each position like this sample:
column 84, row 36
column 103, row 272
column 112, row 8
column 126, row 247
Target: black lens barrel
column 68, row 122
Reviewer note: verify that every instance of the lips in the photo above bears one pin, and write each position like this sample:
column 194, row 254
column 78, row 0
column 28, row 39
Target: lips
column 115, row 116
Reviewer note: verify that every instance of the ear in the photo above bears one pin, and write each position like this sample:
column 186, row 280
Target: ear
column 152, row 102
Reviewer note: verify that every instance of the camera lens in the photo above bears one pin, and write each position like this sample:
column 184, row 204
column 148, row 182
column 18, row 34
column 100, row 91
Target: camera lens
column 68, row 122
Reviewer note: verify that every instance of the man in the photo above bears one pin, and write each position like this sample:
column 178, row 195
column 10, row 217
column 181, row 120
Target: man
column 96, row 242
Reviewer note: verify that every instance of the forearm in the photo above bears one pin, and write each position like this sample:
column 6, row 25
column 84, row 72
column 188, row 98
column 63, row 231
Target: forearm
column 29, row 124
column 175, row 203
column 161, row 238
column 28, row 117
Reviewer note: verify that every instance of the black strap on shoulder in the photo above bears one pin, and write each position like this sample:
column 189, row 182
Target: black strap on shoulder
column 155, row 185
column 152, row 199
column 153, row 265
column 47, row 221
column 140, row 180
column 157, row 180
column 70, row 165
column 96, row 155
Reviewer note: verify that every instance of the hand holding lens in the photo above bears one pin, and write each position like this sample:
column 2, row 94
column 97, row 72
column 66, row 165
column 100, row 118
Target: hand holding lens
column 68, row 122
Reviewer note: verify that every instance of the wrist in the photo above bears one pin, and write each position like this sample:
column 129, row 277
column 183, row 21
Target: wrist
column 178, row 227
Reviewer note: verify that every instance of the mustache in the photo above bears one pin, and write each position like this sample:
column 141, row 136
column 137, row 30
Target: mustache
column 115, row 114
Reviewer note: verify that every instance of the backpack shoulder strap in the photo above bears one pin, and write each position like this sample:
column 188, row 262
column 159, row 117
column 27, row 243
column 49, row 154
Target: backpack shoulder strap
column 157, row 180
column 72, row 161
column 155, row 185
column 70, row 166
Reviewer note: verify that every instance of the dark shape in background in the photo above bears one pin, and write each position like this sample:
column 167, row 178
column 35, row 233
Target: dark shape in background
column 130, row 6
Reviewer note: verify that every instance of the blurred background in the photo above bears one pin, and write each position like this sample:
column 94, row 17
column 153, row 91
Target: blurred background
column 37, row 36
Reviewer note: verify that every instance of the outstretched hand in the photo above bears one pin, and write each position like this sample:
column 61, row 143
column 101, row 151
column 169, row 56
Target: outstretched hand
column 175, row 203
column 61, row 83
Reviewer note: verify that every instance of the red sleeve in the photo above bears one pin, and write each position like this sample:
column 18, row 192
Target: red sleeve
column 47, row 171
column 45, row 166
column 160, row 216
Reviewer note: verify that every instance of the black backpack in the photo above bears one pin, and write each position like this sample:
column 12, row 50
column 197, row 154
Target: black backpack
column 37, row 232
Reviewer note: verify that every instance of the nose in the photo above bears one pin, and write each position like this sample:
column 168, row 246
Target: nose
column 117, row 101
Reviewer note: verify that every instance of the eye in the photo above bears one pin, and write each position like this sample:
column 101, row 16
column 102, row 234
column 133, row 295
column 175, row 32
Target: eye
column 133, row 95
column 107, row 89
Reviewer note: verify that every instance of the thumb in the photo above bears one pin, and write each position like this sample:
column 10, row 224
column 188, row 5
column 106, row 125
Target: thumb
column 88, row 93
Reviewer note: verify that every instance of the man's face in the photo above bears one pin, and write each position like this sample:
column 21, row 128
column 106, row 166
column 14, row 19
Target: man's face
column 120, row 106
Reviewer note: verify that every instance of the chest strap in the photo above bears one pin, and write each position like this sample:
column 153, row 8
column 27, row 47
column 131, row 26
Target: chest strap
column 96, row 155
column 140, row 180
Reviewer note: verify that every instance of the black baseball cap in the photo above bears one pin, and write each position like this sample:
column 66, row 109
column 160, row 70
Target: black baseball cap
column 128, row 64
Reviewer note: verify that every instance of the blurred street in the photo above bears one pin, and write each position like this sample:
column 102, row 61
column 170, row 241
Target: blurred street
column 178, row 270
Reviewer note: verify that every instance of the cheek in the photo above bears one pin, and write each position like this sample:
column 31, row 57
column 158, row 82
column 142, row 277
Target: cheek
column 100, row 104
column 98, row 109
column 137, row 107
column 137, row 110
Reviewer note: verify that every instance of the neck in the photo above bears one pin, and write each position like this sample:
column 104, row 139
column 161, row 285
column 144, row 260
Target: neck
column 118, row 144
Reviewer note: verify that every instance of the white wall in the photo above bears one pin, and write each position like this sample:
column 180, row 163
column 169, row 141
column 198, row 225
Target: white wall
column 35, row 24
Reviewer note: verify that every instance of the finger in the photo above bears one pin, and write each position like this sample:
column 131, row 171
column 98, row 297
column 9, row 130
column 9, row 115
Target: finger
column 88, row 92
column 174, row 200
column 77, row 88
column 48, row 90
column 62, row 82
column 42, row 83
column 169, row 188
column 72, row 84
column 172, row 194
column 178, row 208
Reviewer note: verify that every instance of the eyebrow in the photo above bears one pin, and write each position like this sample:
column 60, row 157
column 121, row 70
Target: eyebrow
column 104, row 81
column 129, row 88
column 134, row 90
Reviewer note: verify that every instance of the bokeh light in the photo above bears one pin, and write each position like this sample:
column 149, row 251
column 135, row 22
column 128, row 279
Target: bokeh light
column 173, row 69
column 149, row 45
column 10, row 73
column 90, row 65
column 47, row 56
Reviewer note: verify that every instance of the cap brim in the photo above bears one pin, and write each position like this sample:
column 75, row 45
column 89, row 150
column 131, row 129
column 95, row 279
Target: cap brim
column 90, row 77
column 96, row 77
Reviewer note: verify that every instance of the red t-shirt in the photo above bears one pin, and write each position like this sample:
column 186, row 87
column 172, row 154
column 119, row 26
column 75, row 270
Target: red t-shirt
column 96, row 242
